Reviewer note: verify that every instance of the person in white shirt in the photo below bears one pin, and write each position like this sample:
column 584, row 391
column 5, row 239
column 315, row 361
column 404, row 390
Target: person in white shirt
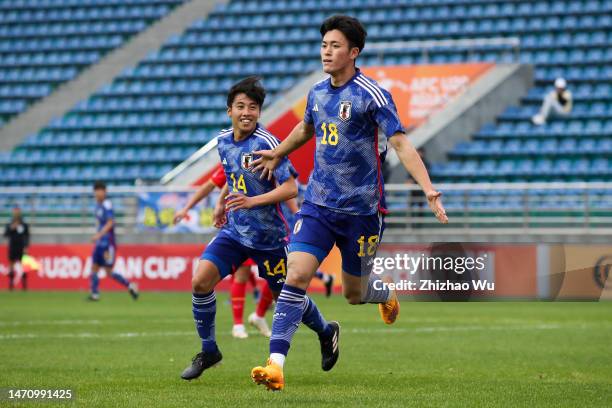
column 557, row 102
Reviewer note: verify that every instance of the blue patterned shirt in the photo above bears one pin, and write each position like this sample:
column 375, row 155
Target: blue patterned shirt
column 104, row 212
column 352, row 124
column 262, row 227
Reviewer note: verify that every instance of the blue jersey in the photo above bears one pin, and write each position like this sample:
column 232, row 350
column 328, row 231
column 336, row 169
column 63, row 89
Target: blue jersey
column 289, row 216
column 352, row 124
column 261, row 227
column 104, row 212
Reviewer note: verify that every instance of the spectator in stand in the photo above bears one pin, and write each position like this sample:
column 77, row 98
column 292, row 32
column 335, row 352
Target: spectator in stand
column 557, row 102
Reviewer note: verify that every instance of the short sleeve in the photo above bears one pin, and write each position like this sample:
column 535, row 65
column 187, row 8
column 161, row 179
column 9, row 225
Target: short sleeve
column 108, row 210
column 284, row 171
column 387, row 118
column 218, row 177
column 308, row 112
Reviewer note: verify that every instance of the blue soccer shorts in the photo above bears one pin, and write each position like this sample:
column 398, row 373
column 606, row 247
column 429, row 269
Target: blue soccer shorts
column 228, row 254
column 318, row 228
column 104, row 255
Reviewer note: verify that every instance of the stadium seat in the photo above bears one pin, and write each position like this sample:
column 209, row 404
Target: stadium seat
column 180, row 88
column 56, row 45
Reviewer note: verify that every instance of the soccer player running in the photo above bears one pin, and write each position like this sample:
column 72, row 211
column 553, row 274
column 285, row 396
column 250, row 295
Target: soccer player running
column 243, row 273
column 254, row 229
column 105, row 249
column 352, row 118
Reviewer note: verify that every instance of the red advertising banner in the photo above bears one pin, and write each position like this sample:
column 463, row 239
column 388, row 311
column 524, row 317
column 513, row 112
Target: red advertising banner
column 509, row 270
column 153, row 267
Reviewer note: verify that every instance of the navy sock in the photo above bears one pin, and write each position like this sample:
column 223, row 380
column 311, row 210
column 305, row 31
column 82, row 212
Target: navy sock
column 319, row 275
column 287, row 317
column 119, row 278
column 204, row 311
column 94, row 283
column 313, row 319
column 373, row 295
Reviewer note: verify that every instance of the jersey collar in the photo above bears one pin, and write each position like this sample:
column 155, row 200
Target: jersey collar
column 340, row 88
column 258, row 126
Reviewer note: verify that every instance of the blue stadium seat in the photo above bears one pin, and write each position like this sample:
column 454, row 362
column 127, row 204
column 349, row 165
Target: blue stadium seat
column 181, row 87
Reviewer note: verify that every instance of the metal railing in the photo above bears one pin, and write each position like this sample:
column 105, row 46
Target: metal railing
column 505, row 209
column 493, row 209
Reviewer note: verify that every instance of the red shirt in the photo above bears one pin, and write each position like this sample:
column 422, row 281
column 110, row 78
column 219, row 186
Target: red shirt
column 218, row 177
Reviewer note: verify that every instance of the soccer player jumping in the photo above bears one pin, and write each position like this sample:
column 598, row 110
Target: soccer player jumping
column 254, row 229
column 352, row 118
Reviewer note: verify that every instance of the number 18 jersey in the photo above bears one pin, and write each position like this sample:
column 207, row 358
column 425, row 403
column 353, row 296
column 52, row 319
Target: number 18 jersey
column 352, row 124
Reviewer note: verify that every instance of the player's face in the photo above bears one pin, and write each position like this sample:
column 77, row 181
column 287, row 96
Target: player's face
column 244, row 113
column 336, row 55
column 100, row 195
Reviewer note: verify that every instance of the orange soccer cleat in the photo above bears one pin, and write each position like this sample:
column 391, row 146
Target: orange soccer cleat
column 271, row 376
column 389, row 311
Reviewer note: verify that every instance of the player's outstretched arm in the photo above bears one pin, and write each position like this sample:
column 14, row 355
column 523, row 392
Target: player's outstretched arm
column 282, row 192
column 219, row 218
column 270, row 159
column 203, row 192
column 413, row 163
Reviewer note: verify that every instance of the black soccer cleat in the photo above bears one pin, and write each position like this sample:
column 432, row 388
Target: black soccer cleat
column 329, row 348
column 329, row 285
column 201, row 362
column 133, row 288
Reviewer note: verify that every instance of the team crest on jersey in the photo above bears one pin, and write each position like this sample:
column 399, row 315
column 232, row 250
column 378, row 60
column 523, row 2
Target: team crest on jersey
column 245, row 160
column 345, row 110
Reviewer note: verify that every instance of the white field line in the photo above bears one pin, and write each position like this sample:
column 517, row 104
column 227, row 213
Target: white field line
column 77, row 322
column 97, row 322
column 357, row 330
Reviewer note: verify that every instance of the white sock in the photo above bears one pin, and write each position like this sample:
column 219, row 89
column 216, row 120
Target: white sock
column 278, row 358
column 239, row 327
column 326, row 278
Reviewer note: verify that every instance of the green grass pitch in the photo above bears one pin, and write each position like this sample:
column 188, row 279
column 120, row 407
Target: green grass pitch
column 123, row 353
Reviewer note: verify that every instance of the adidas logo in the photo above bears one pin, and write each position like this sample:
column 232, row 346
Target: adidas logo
column 224, row 161
column 316, row 108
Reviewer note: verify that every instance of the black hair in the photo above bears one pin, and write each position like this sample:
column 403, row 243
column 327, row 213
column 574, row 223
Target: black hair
column 352, row 29
column 99, row 185
column 251, row 87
